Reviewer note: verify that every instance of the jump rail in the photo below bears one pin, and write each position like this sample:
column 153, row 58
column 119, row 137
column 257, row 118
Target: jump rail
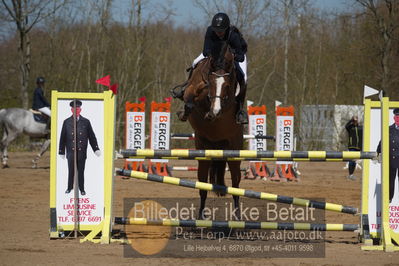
column 186, row 136
column 247, row 154
column 237, row 224
column 236, row 159
column 237, row 191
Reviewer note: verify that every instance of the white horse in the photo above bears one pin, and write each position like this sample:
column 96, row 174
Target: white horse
column 16, row 121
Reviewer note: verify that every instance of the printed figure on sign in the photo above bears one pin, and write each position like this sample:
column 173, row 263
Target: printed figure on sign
column 84, row 134
column 393, row 153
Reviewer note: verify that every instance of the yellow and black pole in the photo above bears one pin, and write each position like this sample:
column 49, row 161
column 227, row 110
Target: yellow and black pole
column 237, row 191
column 236, row 224
column 247, row 154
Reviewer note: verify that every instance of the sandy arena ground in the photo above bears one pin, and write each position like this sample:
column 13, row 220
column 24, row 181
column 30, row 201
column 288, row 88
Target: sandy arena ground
column 24, row 219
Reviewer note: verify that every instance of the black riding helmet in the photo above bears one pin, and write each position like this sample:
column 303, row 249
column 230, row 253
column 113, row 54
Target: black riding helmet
column 40, row 80
column 220, row 22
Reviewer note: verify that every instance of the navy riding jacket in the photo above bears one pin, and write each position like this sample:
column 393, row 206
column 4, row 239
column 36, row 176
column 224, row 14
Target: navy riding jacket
column 39, row 101
column 234, row 39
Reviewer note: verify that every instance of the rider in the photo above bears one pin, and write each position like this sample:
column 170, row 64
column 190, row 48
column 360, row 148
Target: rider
column 40, row 102
column 221, row 29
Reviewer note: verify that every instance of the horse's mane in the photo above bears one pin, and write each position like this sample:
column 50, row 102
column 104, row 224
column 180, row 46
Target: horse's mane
column 218, row 54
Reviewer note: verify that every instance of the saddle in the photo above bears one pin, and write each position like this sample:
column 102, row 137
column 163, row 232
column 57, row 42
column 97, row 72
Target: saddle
column 39, row 116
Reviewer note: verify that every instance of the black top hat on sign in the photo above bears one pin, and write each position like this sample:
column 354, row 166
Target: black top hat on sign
column 396, row 111
column 77, row 102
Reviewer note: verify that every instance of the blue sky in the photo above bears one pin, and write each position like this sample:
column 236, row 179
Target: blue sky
column 184, row 10
column 187, row 13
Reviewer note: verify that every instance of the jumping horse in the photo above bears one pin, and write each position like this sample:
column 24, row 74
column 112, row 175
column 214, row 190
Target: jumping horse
column 210, row 107
column 17, row 121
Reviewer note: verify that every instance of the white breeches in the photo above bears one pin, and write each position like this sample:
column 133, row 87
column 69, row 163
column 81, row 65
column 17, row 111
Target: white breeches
column 196, row 60
column 45, row 110
column 243, row 66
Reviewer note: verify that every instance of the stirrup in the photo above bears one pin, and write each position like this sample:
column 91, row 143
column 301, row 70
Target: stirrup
column 182, row 87
column 178, row 91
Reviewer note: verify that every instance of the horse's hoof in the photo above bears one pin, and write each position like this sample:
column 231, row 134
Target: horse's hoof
column 237, row 217
column 202, row 216
column 34, row 166
column 5, row 166
column 177, row 94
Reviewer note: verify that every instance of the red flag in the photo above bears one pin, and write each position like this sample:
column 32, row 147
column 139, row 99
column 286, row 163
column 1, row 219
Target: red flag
column 114, row 88
column 142, row 99
column 168, row 99
column 106, row 81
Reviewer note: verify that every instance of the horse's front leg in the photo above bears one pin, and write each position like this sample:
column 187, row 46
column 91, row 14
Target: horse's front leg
column 235, row 173
column 203, row 169
column 188, row 98
column 191, row 94
column 43, row 149
column 183, row 114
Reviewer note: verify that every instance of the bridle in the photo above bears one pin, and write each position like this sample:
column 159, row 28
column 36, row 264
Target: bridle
column 217, row 75
column 225, row 98
column 220, row 75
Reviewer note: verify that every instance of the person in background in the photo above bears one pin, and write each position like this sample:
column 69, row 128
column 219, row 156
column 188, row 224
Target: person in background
column 355, row 132
column 40, row 102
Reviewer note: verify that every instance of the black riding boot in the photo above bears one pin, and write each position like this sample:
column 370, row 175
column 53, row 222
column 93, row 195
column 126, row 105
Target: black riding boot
column 178, row 91
column 241, row 115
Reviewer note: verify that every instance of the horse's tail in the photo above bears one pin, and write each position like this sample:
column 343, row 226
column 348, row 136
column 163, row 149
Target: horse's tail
column 2, row 117
column 216, row 176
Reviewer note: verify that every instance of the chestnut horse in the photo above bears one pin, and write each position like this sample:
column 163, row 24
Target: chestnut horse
column 211, row 110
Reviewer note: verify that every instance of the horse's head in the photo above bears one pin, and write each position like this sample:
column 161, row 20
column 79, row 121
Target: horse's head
column 222, row 80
